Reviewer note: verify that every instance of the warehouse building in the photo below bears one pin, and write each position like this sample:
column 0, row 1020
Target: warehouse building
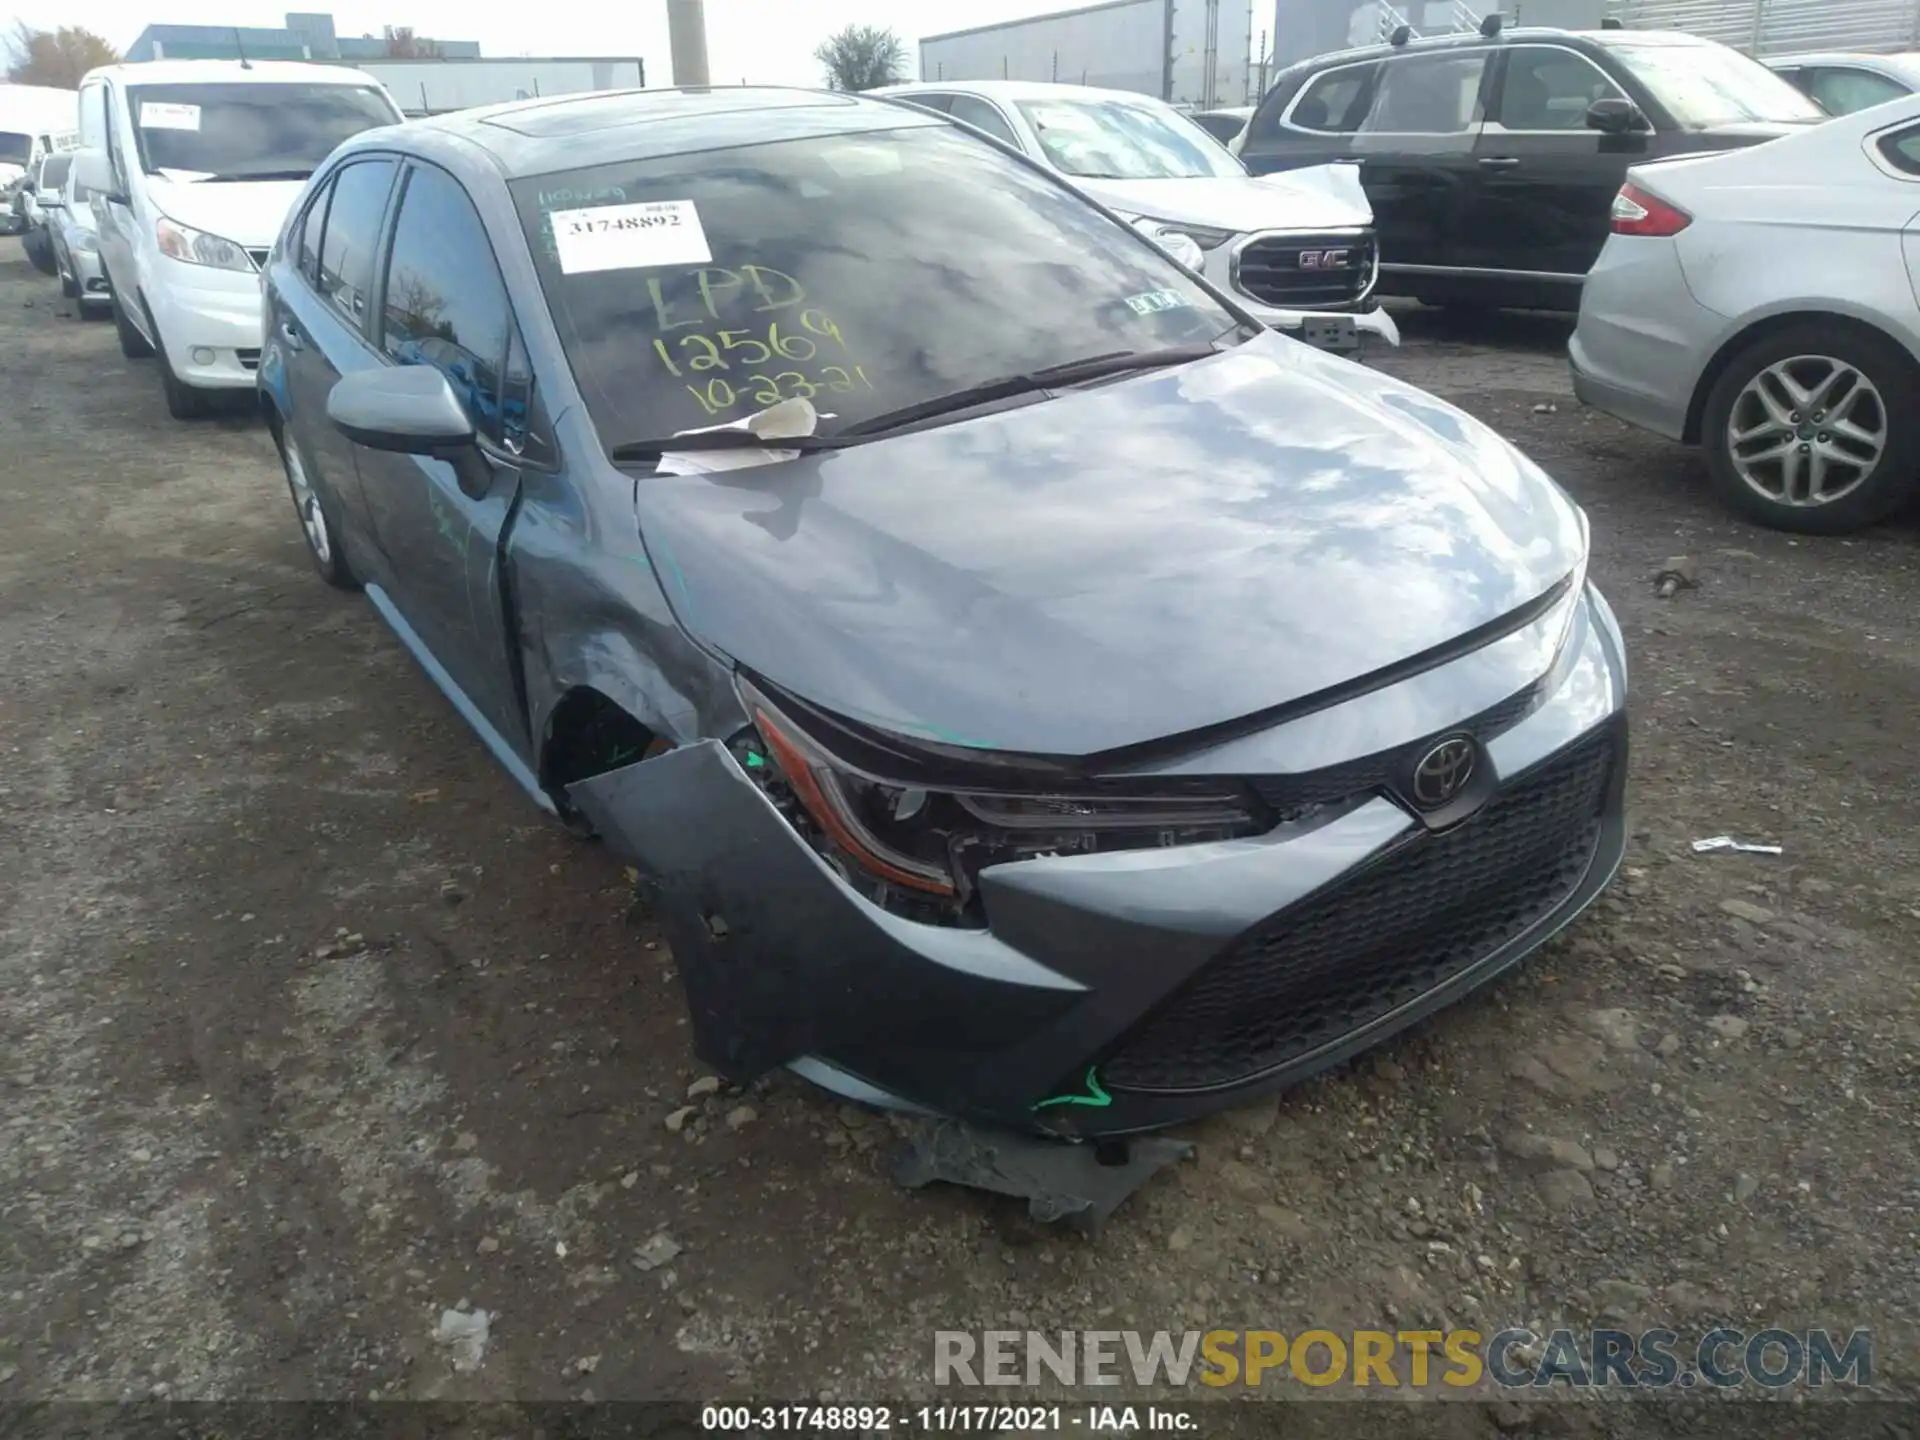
column 304, row 37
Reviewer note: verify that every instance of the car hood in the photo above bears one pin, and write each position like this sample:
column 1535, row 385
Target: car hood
column 247, row 212
column 1320, row 197
column 1118, row 564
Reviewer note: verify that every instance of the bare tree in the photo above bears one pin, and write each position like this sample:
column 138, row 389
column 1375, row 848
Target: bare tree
column 862, row 57
column 55, row 58
column 403, row 44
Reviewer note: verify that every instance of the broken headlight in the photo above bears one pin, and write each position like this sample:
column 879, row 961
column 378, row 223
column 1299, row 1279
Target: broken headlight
column 926, row 844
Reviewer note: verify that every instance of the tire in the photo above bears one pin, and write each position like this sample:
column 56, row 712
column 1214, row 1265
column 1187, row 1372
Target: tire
column 39, row 250
column 1867, row 471
column 319, row 519
column 133, row 344
column 184, row 402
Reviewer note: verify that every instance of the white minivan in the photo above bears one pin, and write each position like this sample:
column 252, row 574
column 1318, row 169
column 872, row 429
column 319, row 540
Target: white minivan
column 193, row 165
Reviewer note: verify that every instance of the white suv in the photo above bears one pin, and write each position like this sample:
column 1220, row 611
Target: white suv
column 193, row 165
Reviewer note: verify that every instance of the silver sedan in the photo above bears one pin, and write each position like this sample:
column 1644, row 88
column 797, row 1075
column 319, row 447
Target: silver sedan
column 1762, row 305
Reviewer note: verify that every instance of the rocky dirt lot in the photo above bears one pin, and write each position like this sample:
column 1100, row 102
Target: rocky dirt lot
column 313, row 1029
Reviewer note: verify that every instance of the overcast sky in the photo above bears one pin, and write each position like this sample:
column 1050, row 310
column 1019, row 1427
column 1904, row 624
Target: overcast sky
column 763, row 41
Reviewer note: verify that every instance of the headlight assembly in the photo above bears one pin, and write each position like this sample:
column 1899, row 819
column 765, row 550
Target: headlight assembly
column 196, row 247
column 928, row 844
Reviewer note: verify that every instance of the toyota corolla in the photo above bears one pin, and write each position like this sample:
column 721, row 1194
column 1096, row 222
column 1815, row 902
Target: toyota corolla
column 1031, row 690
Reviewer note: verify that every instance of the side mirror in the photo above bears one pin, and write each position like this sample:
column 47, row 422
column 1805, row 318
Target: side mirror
column 1613, row 115
column 93, row 171
column 410, row 410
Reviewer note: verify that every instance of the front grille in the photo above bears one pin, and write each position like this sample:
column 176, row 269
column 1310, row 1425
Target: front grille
column 1291, row 795
column 1361, row 949
column 259, row 257
column 249, row 359
column 1307, row 272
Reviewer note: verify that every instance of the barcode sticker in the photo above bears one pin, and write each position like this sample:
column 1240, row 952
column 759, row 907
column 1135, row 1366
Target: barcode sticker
column 629, row 237
column 157, row 116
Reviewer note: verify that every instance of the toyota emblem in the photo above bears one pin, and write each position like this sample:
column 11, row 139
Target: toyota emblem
column 1443, row 772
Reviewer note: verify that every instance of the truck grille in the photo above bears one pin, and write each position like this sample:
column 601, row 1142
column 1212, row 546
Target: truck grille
column 1308, row 272
column 1363, row 948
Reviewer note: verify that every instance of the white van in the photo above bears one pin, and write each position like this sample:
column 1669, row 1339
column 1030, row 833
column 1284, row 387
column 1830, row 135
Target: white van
column 193, row 165
column 33, row 119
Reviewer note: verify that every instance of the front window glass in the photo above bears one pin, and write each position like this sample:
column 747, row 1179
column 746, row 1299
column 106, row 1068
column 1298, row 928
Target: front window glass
column 249, row 132
column 864, row 272
column 1118, row 140
column 1704, row 85
column 1548, row 88
column 446, row 305
column 15, row 149
column 53, row 174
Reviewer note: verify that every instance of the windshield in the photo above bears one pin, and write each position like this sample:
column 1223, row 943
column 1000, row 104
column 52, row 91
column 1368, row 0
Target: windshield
column 865, row 273
column 249, row 132
column 1116, row 140
column 1705, row 85
column 15, row 149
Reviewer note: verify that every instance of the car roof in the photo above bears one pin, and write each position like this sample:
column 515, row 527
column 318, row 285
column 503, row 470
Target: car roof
column 229, row 72
column 571, row 132
column 1517, row 35
column 1016, row 90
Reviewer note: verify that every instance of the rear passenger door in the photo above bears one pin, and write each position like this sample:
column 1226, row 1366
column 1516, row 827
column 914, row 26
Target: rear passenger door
column 322, row 323
column 443, row 303
column 1416, row 153
column 1543, row 183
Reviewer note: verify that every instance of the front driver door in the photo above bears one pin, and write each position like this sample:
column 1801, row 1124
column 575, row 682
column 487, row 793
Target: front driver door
column 1545, row 183
column 443, row 303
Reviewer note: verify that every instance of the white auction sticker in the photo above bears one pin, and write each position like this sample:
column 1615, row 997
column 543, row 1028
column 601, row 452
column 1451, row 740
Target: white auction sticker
column 629, row 237
column 154, row 115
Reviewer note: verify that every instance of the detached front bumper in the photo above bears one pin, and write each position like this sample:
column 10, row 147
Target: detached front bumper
column 1119, row 992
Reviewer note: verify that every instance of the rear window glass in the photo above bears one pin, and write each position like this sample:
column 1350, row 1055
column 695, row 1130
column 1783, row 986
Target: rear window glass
column 1902, row 150
column 863, row 272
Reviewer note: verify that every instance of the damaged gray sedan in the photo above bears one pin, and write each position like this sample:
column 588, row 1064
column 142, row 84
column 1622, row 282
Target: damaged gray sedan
column 1096, row 711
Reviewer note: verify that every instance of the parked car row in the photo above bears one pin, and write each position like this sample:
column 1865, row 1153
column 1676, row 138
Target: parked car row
column 1296, row 249
column 1033, row 689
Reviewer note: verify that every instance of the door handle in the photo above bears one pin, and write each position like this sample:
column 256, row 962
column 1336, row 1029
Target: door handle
column 1499, row 162
column 290, row 333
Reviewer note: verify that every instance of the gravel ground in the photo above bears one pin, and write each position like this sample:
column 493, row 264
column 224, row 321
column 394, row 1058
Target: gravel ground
column 313, row 1029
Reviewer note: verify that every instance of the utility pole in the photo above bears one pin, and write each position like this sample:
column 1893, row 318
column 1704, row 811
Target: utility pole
column 687, row 38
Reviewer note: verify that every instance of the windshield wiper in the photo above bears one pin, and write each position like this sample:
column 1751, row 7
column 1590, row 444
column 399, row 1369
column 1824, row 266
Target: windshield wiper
column 289, row 174
column 1071, row 372
column 873, row 428
column 722, row 440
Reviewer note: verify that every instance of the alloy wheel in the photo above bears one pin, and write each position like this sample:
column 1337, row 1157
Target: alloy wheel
column 313, row 519
column 1807, row 430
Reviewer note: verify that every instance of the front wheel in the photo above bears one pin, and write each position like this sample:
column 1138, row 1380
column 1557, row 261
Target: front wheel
column 1809, row 429
column 184, row 401
column 322, row 534
column 133, row 344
